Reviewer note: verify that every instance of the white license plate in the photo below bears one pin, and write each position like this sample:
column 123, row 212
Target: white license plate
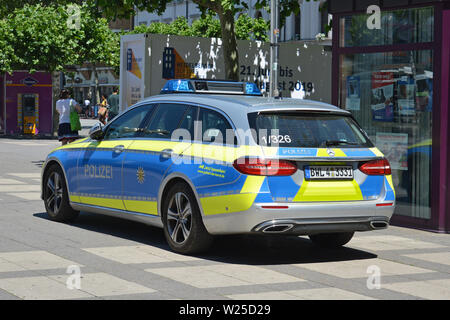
column 328, row 172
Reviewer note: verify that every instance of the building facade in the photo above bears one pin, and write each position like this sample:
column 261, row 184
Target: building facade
column 391, row 70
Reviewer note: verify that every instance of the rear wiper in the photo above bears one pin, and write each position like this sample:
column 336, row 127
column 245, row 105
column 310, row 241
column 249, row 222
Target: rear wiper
column 330, row 143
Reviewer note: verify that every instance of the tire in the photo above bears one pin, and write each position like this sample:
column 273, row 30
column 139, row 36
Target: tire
column 331, row 240
column 56, row 196
column 183, row 225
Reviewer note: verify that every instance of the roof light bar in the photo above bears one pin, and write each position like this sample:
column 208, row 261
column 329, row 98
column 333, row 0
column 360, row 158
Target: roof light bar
column 211, row 86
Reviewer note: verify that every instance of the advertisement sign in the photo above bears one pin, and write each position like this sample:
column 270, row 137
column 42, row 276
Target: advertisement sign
column 382, row 96
column 353, row 100
column 134, row 69
column 405, row 96
column 304, row 70
column 394, row 146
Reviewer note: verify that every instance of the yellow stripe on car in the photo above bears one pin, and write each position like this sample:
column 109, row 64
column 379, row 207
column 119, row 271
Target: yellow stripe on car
column 235, row 202
column 314, row 191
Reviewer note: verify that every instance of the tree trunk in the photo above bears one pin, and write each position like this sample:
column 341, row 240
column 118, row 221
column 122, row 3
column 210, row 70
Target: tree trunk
column 96, row 97
column 229, row 43
column 55, row 96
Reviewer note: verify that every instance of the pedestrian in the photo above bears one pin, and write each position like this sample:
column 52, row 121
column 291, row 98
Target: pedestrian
column 113, row 101
column 87, row 104
column 63, row 107
column 103, row 110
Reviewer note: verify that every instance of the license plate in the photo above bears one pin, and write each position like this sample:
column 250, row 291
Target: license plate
column 328, row 172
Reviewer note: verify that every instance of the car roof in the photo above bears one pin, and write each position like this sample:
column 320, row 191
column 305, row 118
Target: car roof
column 236, row 103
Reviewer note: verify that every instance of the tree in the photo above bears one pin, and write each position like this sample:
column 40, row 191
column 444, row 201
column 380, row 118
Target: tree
column 37, row 37
column 225, row 9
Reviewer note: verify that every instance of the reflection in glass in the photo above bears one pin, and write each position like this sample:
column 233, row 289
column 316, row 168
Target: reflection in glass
column 390, row 95
column 400, row 26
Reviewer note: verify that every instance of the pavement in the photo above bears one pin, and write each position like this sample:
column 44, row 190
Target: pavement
column 118, row 259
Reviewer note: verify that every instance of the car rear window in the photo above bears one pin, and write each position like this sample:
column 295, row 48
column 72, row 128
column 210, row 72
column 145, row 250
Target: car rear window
column 308, row 130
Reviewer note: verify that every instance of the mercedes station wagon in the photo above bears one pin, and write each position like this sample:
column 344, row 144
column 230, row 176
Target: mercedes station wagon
column 208, row 158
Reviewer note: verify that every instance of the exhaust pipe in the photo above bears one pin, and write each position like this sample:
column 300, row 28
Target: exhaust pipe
column 277, row 228
column 378, row 225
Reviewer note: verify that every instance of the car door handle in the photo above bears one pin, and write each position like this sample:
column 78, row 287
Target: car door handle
column 119, row 148
column 166, row 153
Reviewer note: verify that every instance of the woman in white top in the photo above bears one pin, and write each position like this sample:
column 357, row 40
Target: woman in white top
column 63, row 106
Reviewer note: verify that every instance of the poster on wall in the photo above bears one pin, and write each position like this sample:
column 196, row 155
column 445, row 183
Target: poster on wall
column 382, row 96
column 134, row 74
column 405, row 96
column 353, row 100
column 394, row 147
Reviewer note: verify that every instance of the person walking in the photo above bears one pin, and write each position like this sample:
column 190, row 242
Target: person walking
column 87, row 104
column 113, row 101
column 63, row 107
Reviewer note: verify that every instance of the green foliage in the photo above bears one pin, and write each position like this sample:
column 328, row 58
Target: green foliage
column 206, row 26
column 37, row 37
column 247, row 28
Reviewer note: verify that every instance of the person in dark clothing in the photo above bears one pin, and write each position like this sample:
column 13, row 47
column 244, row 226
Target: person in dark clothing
column 113, row 102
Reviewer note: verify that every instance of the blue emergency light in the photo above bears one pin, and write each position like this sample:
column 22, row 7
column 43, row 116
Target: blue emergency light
column 211, row 87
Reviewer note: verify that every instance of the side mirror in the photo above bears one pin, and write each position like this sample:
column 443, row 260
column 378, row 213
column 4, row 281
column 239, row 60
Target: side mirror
column 96, row 132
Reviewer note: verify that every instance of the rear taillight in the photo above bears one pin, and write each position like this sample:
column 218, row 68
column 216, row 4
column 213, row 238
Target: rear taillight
column 376, row 167
column 264, row 167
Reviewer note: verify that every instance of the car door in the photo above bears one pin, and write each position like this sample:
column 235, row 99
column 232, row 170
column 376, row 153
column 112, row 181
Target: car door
column 152, row 153
column 100, row 163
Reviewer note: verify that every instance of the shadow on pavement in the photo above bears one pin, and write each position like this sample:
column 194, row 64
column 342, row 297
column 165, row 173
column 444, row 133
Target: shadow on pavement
column 236, row 249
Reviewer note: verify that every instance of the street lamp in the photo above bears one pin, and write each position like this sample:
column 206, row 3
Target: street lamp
column 274, row 34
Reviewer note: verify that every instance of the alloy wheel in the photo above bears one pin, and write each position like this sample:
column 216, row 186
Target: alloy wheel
column 54, row 192
column 179, row 218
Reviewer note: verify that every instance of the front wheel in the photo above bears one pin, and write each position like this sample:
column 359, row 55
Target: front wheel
column 56, row 196
column 183, row 225
column 331, row 240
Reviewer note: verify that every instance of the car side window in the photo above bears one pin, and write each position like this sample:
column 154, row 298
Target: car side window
column 215, row 127
column 185, row 130
column 129, row 124
column 165, row 120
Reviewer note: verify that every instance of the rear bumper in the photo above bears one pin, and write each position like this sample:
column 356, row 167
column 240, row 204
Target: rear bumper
column 324, row 225
column 302, row 218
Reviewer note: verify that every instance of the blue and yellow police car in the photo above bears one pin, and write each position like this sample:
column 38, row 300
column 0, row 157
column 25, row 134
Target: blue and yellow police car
column 208, row 158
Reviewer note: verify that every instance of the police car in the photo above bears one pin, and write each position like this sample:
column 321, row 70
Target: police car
column 208, row 158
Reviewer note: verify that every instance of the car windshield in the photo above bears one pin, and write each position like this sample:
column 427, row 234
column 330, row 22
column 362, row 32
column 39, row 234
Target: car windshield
column 308, row 130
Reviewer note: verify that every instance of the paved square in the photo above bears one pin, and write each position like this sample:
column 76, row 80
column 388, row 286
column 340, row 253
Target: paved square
column 10, row 181
column 32, row 196
column 388, row 242
column 304, row 294
column 36, row 260
column 138, row 254
column 358, row 268
column 431, row 289
column 40, row 288
column 223, row 275
column 438, row 257
column 103, row 284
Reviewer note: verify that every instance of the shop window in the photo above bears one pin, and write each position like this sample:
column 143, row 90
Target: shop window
column 400, row 26
column 390, row 95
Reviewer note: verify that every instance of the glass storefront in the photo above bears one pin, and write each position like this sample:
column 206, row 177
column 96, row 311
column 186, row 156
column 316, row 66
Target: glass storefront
column 390, row 95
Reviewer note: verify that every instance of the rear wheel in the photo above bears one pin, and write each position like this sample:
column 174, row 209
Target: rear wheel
column 56, row 196
column 183, row 225
column 331, row 240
